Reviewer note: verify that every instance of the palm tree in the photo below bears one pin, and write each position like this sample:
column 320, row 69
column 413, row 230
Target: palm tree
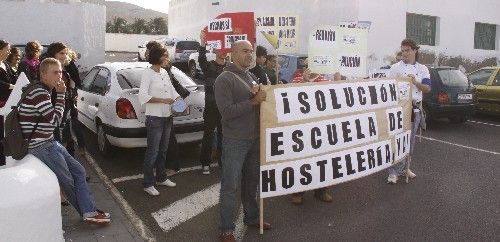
column 139, row 26
column 158, row 26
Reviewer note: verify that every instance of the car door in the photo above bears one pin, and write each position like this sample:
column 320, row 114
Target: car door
column 97, row 91
column 83, row 95
column 492, row 94
column 480, row 80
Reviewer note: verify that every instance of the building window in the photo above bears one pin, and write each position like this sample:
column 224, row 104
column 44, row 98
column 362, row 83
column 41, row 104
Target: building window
column 484, row 36
column 421, row 28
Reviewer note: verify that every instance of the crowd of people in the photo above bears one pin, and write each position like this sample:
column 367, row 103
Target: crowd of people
column 233, row 94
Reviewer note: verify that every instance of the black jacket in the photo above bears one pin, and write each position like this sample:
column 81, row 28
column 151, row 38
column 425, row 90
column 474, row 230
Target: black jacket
column 7, row 77
column 259, row 72
column 74, row 74
column 179, row 88
column 211, row 70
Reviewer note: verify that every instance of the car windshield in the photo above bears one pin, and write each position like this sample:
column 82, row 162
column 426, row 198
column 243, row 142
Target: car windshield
column 453, row 78
column 131, row 77
column 188, row 45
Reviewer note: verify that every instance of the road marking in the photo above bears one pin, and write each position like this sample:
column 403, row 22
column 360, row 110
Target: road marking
column 126, row 208
column 140, row 176
column 187, row 208
column 477, row 122
column 459, row 145
column 240, row 229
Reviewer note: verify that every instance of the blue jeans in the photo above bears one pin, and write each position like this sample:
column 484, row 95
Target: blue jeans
column 399, row 168
column 158, row 135
column 240, row 162
column 70, row 174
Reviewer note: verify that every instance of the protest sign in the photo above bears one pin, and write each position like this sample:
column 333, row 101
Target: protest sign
column 281, row 31
column 316, row 135
column 335, row 49
column 227, row 28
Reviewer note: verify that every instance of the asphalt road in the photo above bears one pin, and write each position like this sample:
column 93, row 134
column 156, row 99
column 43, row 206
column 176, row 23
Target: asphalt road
column 455, row 196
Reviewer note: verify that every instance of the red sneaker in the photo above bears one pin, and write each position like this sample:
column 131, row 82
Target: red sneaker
column 100, row 218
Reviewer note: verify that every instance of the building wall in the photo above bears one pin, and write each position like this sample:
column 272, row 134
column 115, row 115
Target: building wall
column 80, row 25
column 455, row 27
column 187, row 17
column 128, row 42
column 455, row 34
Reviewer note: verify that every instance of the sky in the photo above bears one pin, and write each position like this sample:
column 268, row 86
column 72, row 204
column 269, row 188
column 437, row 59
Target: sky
column 157, row 5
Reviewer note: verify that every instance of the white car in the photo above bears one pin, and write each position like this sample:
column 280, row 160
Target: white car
column 108, row 105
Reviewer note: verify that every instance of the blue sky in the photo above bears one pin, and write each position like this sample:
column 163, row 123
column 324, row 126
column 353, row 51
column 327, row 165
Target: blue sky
column 157, row 5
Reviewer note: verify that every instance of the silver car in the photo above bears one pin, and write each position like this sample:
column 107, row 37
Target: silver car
column 108, row 105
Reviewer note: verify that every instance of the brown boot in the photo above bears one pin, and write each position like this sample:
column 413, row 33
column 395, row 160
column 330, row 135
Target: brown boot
column 324, row 197
column 227, row 237
column 297, row 198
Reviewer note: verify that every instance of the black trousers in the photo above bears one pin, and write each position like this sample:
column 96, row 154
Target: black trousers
column 212, row 120
column 2, row 155
column 172, row 161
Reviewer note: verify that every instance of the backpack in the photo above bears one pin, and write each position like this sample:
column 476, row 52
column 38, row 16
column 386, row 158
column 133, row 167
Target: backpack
column 14, row 143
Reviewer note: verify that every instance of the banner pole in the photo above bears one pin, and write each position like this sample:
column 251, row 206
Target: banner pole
column 261, row 216
column 277, row 69
column 408, row 167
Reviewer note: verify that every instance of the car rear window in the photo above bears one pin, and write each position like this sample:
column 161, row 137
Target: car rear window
column 131, row 78
column 453, row 78
column 188, row 45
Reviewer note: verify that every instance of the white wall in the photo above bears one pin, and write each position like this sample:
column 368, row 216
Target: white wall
column 187, row 17
column 128, row 42
column 455, row 27
column 80, row 25
column 455, row 33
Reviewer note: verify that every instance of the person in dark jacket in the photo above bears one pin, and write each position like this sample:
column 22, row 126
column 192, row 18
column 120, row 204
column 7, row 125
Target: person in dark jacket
column 31, row 60
column 211, row 116
column 14, row 59
column 270, row 68
column 258, row 70
column 7, row 81
column 172, row 165
column 70, row 121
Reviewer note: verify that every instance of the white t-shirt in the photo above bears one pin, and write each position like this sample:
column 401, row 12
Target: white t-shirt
column 420, row 71
column 154, row 84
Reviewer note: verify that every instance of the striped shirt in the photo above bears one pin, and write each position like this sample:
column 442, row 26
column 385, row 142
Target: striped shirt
column 37, row 106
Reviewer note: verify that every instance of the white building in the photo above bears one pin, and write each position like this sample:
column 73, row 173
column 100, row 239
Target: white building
column 466, row 28
column 81, row 26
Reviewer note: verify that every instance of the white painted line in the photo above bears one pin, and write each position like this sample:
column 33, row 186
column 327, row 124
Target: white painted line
column 240, row 228
column 126, row 208
column 477, row 122
column 459, row 145
column 140, row 176
column 187, row 208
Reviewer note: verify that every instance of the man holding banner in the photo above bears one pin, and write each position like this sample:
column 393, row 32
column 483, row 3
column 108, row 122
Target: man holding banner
column 238, row 98
column 420, row 79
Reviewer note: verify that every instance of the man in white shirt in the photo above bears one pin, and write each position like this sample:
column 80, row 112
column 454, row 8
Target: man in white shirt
column 421, row 83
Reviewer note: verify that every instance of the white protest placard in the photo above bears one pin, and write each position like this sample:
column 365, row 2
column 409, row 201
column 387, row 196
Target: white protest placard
column 336, row 49
column 284, row 28
column 315, row 135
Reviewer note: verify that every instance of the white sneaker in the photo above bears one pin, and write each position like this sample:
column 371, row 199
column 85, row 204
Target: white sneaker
column 167, row 183
column 152, row 191
column 206, row 170
column 392, row 179
column 410, row 174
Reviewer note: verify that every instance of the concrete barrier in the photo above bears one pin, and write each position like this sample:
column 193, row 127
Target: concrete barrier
column 30, row 203
column 127, row 42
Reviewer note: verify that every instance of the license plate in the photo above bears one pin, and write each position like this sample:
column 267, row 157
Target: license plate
column 464, row 96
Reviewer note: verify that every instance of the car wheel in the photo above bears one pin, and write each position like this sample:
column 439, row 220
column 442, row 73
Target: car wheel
column 428, row 117
column 458, row 119
column 139, row 57
column 192, row 70
column 102, row 142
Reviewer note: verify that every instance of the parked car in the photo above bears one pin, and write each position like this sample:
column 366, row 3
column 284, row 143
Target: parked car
column 290, row 66
column 487, row 83
column 451, row 96
column 108, row 105
column 194, row 66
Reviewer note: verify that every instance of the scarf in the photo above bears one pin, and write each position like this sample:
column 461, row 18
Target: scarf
column 32, row 63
